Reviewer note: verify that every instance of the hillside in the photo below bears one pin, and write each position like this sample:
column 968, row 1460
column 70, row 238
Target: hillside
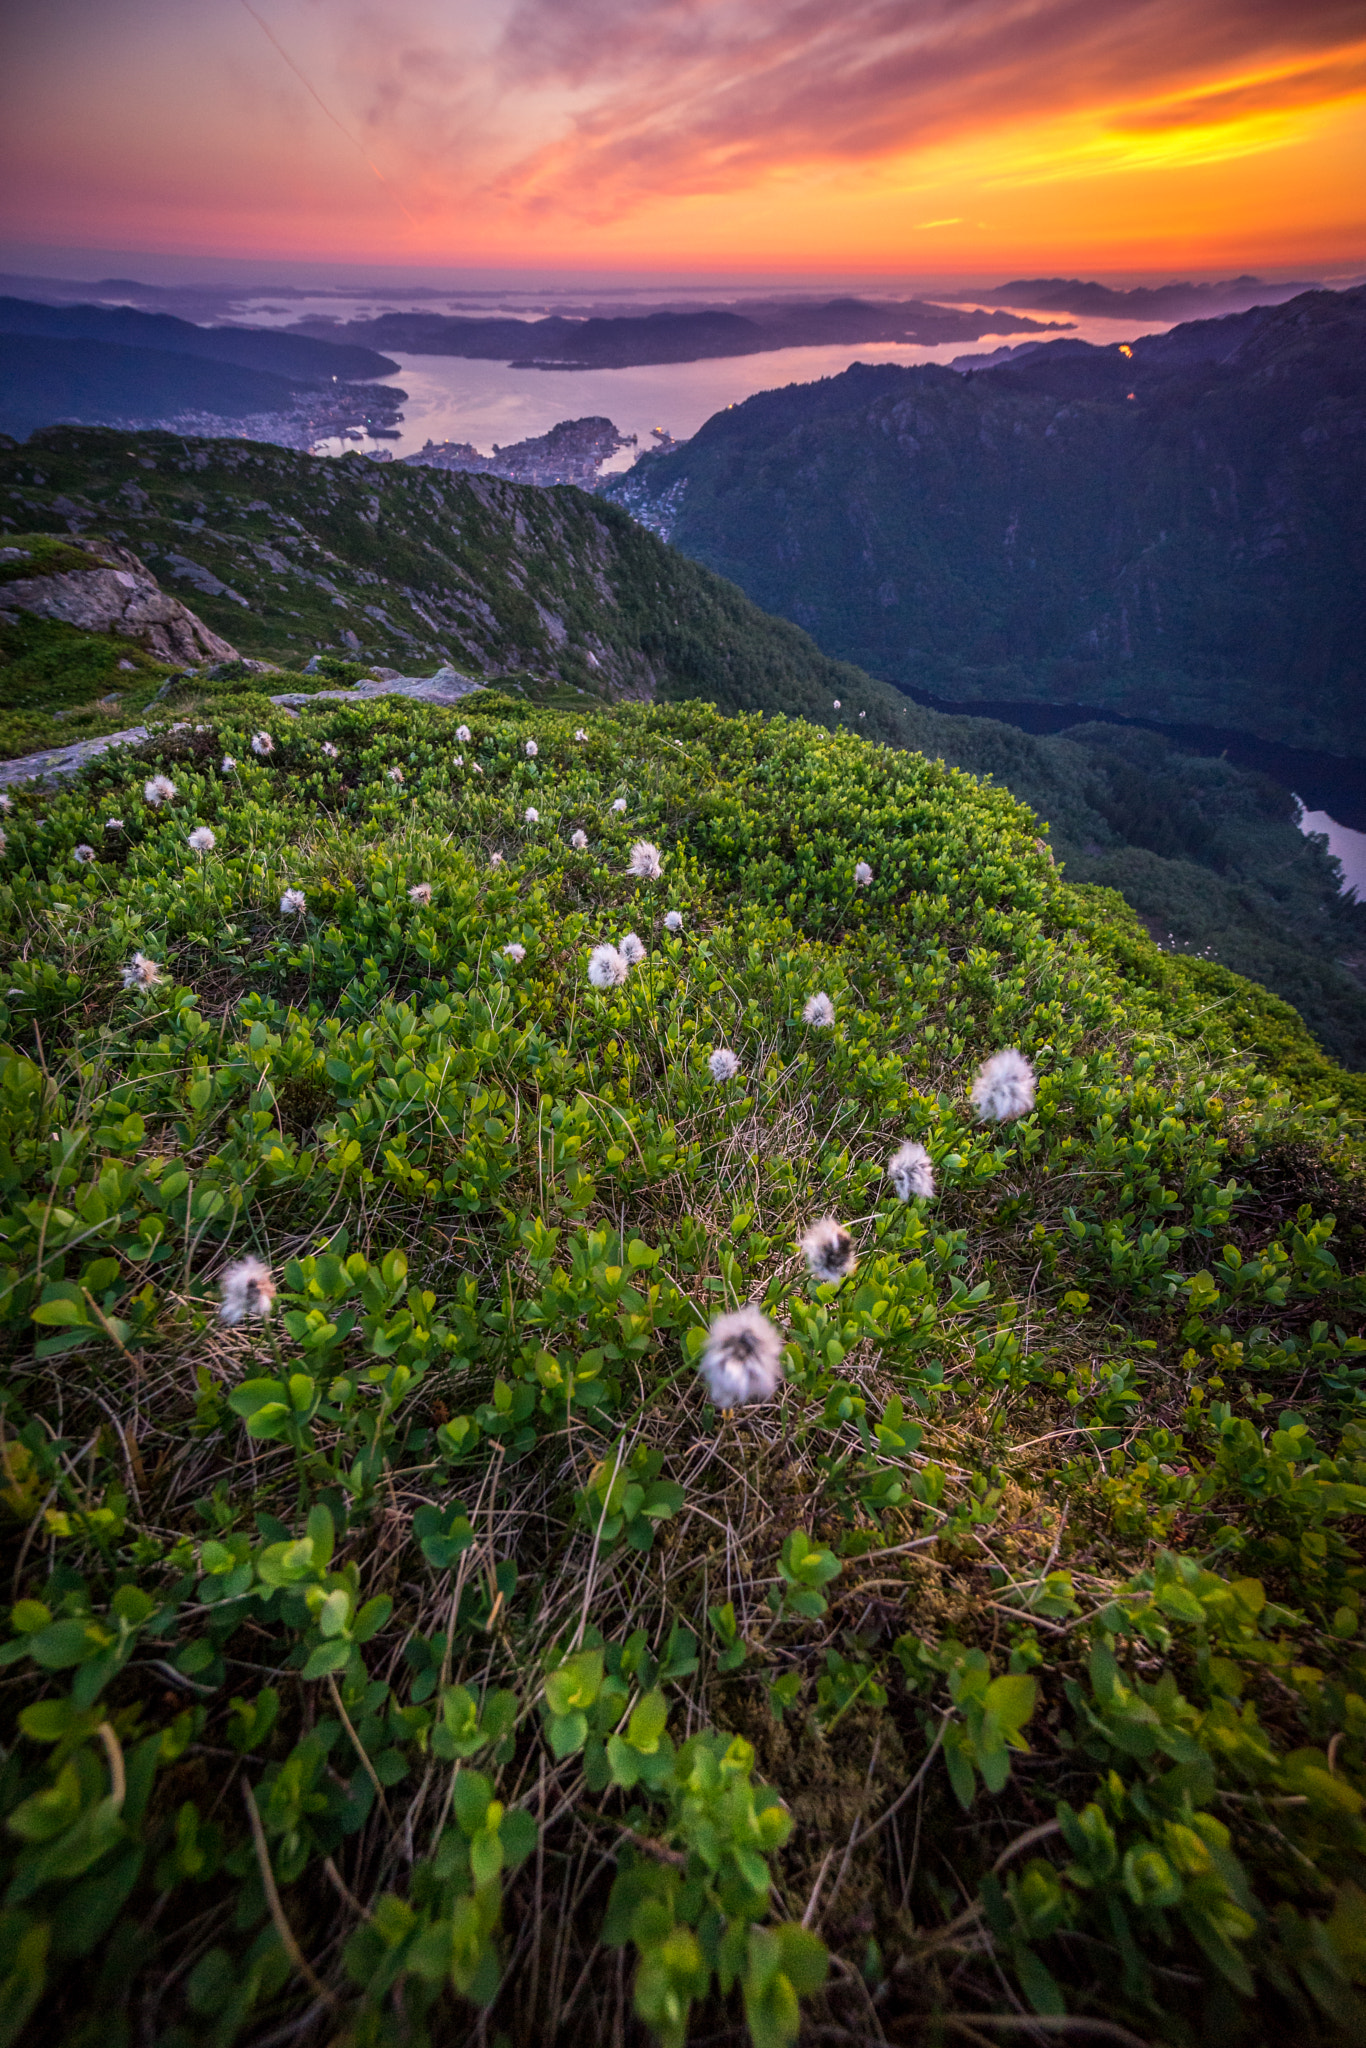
column 403, row 1648
column 290, row 557
column 250, row 348
column 1179, row 531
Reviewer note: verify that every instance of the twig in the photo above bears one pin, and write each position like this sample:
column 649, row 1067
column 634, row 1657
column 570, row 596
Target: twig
column 277, row 1911
column 359, row 1747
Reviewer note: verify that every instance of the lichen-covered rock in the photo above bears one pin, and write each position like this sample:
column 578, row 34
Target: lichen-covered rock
column 118, row 594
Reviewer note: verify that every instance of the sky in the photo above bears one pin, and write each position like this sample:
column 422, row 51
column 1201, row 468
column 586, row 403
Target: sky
column 973, row 139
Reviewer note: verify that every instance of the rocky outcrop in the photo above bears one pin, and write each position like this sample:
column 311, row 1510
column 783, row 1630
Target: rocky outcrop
column 118, row 594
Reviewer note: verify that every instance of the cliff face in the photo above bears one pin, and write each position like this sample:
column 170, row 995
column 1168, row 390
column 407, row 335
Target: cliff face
column 1179, row 530
column 117, row 594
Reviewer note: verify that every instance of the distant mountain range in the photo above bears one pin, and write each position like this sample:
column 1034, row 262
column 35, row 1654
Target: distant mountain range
column 560, row 342
column 1174, row 529
column 1141, row 302
column 115, row 365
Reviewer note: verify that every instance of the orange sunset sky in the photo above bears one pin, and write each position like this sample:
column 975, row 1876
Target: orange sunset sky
column 932, row 138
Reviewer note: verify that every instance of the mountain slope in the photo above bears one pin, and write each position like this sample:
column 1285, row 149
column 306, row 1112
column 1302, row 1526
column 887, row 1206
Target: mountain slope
column 288, row 556
column 406, row 1643
column 1179, row 531
column 250, row 348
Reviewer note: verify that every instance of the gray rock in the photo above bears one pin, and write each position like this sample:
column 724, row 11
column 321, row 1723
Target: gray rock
column 118, row 594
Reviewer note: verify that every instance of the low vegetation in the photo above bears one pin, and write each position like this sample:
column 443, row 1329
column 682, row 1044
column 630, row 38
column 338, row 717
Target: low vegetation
column 401, row 1647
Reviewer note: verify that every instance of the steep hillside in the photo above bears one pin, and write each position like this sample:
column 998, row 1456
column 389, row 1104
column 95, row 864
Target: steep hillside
column 406, row 1647
column 1178, row 530
column 290, row 557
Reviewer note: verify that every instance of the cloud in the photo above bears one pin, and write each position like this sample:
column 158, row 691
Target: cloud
column 696, row 95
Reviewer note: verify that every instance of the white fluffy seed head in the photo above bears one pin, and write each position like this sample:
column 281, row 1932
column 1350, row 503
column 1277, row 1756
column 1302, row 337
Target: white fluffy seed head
column 262, row 744
column 606, row 967
column 202, row 840
column 293, row 903
column 395, row 774
column 83, row 855
column 330, row 751
column 229, row 762
column 495, row 860
column 911, row 1171
column 618, row 803
column 837, row 703
column 532, row 815
column 113, row 824
column 477, row 769
column 141, row 972
column 673, row 921
column 462, row 733
column 532, row 750
column 578, row 840
column 723, row 1064
column 742, row 1359
column 632, row 949
column 1004, row 1087
column 863, row 874
column 248, row 1290
column 158, row 789
column 580, row 734
column 646, row 862
column 829, row 1251
column 3, row 841
column 514, row 952
column 6, row 803
column 457, row 760
column 819, row 1011
column 421, row 893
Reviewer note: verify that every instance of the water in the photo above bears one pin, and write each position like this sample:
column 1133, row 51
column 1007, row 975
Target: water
column 454, row 398
column 1347, row 846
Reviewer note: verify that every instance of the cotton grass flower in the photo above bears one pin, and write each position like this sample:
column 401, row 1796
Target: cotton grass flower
column 911, row 1172
column 819, row 1011
column 421, row 894
column 477, row 769
column 495, row 860
column 606, row 967
column 463, row 734
column 248, row 1291
column 262, row 744
column 673, row 920
column 646, row 862
column 83, row 855
column 331, row 752
column 618, row 803
column 829, row 1251
column 6, row 803
column 579, row 733
column 227, row 765
column 158, row 790
column 515, row 953
column 863, row 874
column 531, row 815
column 201, row 840
column 632, row 950
column 1004, row 1087
column 723, row 1064
column 532, row 750
column 395, row 774
column 293, row 903
column 457, row 760
column 141, row 972
column 113, row 824
column 837, row 703
column 578, row 840
column 742, row 1359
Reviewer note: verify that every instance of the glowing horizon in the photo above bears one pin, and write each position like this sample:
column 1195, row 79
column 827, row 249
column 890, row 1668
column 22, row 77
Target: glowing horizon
column 763, row 137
